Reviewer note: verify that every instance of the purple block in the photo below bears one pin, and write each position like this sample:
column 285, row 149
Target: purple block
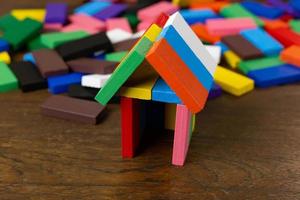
column 112, row 11
column 214, row 92
column 284, row 6
column 56, row 13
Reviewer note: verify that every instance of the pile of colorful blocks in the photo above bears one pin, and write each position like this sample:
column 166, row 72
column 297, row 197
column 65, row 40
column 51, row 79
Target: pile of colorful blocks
column 161, row 60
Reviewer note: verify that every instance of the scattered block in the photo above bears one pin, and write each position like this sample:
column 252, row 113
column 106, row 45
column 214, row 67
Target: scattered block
column 28, row 76
column 285, row 36
column 94, row 80
column 91, row 8
column 274, row 24
column 121, row 23
column 87, row 21
column 68, row 108
column 295, row 25
column 75, row 27
column 60, row 83
column 263, row 10
column 118, row 35
column 230, row 26
column 52, row 40
column 125, row 45
column 53, row 27
column 153, row 11
column 215, row 92
column 201, row 31
column 255, row 64
column 80, row 92
column 85, row 46
column 4, row 46
column 242, row 47
column 111, row 11
column 233, row 82
column 291, row 55
column 263, row 41
column 232, row 59
column 36, row 14
column 196, row 16
column 56, row 13
column 4, row 57
column 282, row 74
column 92, row 66
column 36, row 44
column 116, row 56
column 28, row 57
column 8, row 80
column 8, row 22
column 49, row 62
column 214, row 5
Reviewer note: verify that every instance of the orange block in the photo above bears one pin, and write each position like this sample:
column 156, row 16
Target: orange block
column 201, row 31
column 291, row 55
column 215, row 6
column 177, row 75
column 273, row 24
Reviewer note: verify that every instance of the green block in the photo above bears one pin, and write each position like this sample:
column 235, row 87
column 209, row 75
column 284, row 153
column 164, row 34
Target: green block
column 8, row 21
column 18, row 36
column 36, row 44
column 125, row 69
column 116, row 56
column 295, row 25
column 132, row 19
column 8, row 80
column 235, row 10
column 260, row 63
column 52, row 40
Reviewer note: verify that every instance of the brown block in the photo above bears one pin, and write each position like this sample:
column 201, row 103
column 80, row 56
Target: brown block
column 92, row 66
column 125, row 45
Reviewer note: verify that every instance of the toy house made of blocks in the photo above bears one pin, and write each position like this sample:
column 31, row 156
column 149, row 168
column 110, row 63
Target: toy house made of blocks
column 168, row 64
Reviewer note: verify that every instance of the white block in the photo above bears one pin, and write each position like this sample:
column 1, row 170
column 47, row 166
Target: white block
column 118, row 35
column 94, row 80
column 215, row 52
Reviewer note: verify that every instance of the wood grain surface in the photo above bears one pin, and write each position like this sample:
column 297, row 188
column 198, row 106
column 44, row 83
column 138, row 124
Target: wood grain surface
column 243, row 148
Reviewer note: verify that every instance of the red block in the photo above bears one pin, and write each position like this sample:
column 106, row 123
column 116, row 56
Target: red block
column 285, row 36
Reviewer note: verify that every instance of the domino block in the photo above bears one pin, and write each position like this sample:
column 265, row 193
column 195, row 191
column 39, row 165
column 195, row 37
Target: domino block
column 247, row 66
column 285, row 36
column 95, row 80
column 53, row 27
column 233, row 82
column 232, row 59
column 8, row 80
column 56, row 13
column 28, row 76
column 75, row 27
column 263, row 41
column 91, row 8
column 8, row 21
column 182, row 135
column 28, row 57
column 4, row 57
column 214, row 5
column 143, row 25
column 118, row 35
column 263, row 10
column 230, row 26
column 111, row 11
column 242, row 47
column 121, row 23
column 291, row 55
column 129, row 64
column 116, row 56
column 52, row 40
column 201, row 31
column 49, row 62
column 295, row 25
column 282, row 74
column 223, row 47
column 274, row 24
column 284, row 6
column 153, row 11
column 92, row 66
column 236, row 10
column 85, row 46
column 90, row 22
column 196, row 16
column 125, row 45
column 130, row 117
column 4, row 46
column 140, row 84
column 215, row 92
column 76, row 110
column 80, row 92
column 36, row 44
column 60, row 83
column 215, row 52
column 163, row 93
column 36, row 14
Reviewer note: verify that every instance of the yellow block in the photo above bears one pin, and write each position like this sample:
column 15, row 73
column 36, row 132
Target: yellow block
column 153, row 32
column 36, row 14
column 233, row 82
column 232, row 59
column 140, row 84
column 4, row 57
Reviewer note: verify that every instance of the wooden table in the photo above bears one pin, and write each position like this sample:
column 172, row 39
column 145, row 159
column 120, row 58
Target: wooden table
column 243, row 148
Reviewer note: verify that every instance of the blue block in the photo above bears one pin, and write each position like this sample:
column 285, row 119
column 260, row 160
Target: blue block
column 194, row 16
column 263, row 41
column 59, row 84
column 163, row 93
column 223, row 46
column 92, row 8
column 99, row 56
column 29, row 58
column 4, row 45
column 187, row 55
column 278, row 75
column 295, row 4
column 263, row 10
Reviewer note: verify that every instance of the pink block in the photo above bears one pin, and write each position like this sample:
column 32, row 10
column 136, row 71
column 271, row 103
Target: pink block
column 182, row 134
column 53, row 27
column 143, row 25
column 121, row 23
column 230, row 26
column 87, row 21
column 75, row 27
column 153, row 11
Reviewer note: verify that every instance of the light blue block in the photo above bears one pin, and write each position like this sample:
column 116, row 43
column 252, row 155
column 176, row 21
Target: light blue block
column 263, row 41
column 223, row 46
column 187, row 55
column 163, row 93
column 29, row 58
column 59, row 84
column 92, row 8
column 194, row 16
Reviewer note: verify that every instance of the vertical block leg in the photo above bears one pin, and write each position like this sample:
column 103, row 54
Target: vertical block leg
column 183, row 132
column 130, row 111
